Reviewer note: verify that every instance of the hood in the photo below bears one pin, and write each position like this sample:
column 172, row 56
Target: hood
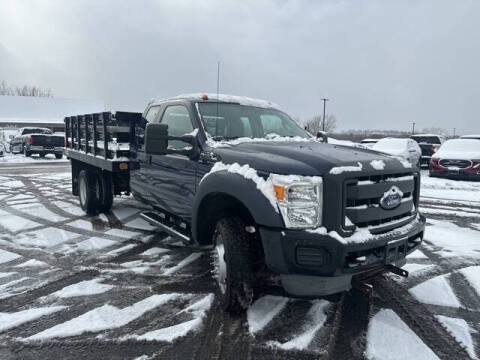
column 457, row 155
column 308, row 158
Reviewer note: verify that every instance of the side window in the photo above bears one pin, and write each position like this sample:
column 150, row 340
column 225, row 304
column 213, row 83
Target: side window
column 272, row 124
column 178, row 120
column 152, row 113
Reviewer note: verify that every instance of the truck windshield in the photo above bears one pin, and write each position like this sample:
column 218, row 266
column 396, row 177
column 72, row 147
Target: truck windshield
column 224, row 121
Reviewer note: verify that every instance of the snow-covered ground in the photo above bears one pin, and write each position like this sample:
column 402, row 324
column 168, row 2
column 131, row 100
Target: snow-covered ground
column 116, row 283
column 10, row 158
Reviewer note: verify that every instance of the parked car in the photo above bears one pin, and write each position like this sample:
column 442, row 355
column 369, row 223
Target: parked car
column 405, row 148
column 457, row 158
column 2, row 150
column 241, row 176
column 368, row 143
column 473, row 136
column 41, row 141
column 429, row 143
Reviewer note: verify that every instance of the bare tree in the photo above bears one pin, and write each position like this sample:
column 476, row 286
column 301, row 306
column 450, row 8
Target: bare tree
column 25, row 90
column 315, row 124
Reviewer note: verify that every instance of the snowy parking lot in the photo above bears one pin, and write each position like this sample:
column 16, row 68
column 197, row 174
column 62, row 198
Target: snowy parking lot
column 112, row 286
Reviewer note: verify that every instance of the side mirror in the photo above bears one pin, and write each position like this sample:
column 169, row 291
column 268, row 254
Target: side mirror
column 322, row 135
column 156, row 141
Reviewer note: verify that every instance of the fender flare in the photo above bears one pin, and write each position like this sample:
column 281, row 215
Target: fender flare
column 243, row 190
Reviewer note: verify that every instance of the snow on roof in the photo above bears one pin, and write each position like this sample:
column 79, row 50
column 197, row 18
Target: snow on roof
column 472, row 136
column 441, row 136
column 27, row 109
column 242, row 100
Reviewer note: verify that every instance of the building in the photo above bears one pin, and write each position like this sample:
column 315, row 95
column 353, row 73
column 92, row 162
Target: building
column 24, row 111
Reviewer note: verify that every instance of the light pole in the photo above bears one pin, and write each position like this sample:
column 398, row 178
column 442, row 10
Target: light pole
column 324, row 103
column 413, row 128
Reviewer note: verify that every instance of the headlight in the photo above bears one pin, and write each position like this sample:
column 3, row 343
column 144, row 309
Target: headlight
column 299, row 200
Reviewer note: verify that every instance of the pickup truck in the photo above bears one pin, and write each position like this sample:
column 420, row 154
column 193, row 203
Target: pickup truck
column 241, row 176
column 429, row 144
column 41, row 141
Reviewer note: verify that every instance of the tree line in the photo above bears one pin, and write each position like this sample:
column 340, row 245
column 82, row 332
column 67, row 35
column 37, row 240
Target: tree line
column 25, row 90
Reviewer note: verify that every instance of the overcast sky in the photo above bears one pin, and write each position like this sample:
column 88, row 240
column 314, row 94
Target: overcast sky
column 382, row 63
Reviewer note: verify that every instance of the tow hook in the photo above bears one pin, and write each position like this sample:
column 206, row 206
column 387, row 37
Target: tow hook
column 362, row 287
column 397, row 271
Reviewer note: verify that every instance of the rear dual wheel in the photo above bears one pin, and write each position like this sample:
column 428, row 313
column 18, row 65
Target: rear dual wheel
column 95, row 191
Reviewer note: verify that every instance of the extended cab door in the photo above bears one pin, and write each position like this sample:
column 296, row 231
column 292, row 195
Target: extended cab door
column 172, row 177
column 139, row 181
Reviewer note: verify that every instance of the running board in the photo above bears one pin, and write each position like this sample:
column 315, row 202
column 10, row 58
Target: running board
column 157, row 220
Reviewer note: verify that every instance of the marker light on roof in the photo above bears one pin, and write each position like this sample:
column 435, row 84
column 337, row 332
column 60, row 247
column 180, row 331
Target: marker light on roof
column 204, row 97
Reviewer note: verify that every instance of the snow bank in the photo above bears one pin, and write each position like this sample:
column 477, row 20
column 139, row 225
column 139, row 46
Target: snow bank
column 389, row 338
column 262, row 312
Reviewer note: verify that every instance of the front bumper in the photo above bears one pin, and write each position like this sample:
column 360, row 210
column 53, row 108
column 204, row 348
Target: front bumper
column 306, row 253
column 461, row 174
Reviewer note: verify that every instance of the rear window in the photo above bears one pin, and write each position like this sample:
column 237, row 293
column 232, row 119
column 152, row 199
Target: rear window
column 426, row 139
column 391, row 143
column 36, row 131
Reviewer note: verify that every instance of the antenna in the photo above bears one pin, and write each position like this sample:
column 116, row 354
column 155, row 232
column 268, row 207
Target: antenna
column 218, row 85
column 218, row 78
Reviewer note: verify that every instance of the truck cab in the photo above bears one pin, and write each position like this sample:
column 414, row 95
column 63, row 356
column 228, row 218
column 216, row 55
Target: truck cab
column 239, row 175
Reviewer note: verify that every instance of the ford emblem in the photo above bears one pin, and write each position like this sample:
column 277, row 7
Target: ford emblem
column 391, row 199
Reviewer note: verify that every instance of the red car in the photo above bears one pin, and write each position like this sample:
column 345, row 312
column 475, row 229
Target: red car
column 458, row 159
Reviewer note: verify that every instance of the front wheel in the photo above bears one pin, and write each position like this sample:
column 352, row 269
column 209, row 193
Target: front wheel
column 234, row 259
column 58, row 156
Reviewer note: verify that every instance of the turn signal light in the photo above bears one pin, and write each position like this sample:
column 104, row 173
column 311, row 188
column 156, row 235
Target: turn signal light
column 123, row 166
column 30, row 140
column 204, row 97
column 279, row 192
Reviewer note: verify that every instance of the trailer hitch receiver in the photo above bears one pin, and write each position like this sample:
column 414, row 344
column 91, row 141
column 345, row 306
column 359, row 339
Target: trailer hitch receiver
column 397, row 271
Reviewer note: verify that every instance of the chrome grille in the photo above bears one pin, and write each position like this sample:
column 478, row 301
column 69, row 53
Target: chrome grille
column 362, row 201
column 461, row 164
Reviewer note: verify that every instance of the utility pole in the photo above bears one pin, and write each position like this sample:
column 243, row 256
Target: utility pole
column 413, row 128
column 324, row 103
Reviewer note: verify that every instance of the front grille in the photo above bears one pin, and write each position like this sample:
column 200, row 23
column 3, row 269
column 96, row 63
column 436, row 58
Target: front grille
column 363, row 195
column 461, row 164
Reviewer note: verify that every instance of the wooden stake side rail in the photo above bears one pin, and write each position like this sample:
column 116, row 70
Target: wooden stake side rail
column 92, row 138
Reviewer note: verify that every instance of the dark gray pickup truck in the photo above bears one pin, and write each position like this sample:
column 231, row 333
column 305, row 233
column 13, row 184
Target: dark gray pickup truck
column 41, row 141
column 241, row 176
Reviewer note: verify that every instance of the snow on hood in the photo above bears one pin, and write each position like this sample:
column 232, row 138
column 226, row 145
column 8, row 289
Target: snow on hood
column 459, row 149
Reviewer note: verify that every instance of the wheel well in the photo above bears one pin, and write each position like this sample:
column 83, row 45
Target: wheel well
column 213, row 208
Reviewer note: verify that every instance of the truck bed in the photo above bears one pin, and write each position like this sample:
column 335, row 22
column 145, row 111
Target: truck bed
column 102, row 140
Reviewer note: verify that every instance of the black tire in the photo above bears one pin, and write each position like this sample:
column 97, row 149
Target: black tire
column 26, row 152
column 58, row 156
column 237, row 289
column 87, row 192
column 105, row 195
column 41, row 155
